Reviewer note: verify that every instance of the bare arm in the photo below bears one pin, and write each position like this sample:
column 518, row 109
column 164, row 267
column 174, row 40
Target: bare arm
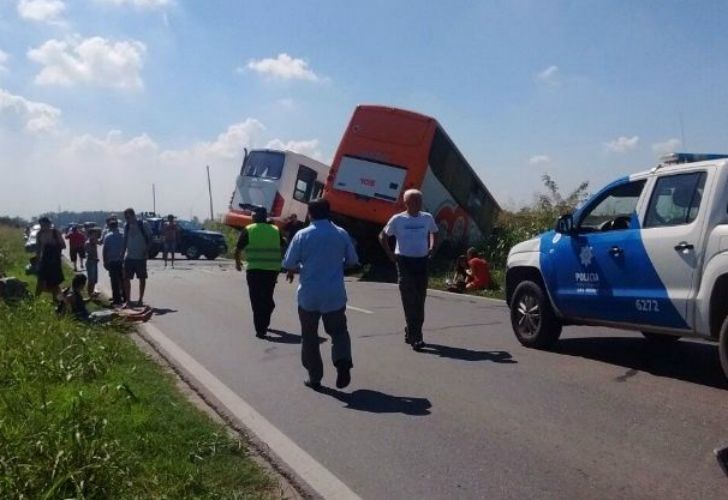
column 433, row 242
column 384, row 241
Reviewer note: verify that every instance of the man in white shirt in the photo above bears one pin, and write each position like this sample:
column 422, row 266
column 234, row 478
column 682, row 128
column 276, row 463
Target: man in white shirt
column 414, row 231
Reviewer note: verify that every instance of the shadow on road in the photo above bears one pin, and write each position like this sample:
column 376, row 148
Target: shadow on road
column 685, row 360
column 282, row 337
column 161, row 311
column 378, row 402
column 463, row 354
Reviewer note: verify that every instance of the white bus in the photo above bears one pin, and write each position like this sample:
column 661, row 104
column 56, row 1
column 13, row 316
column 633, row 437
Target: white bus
column 281, row 181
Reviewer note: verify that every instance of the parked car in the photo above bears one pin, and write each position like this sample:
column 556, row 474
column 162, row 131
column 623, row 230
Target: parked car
column 154, row 224
column 195, row 241
column 646, row 253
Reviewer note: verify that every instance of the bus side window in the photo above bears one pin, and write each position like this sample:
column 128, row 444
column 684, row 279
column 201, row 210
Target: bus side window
column 305, row 181
column 318, row 190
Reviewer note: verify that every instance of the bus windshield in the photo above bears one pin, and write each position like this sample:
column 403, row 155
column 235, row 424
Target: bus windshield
column 266, row 164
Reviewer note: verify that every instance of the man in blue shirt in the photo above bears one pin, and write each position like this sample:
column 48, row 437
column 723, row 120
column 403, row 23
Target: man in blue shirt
column 113, row 257
column 321, row 252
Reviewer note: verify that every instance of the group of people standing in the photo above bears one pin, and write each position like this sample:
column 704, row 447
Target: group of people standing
column 124, row 255
column 320, row 253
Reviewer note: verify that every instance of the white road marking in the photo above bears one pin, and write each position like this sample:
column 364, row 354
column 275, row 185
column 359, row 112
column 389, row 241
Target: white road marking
column 316, row 475
column 359, row 309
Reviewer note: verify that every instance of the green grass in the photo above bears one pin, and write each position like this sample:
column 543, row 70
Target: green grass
column 231, row 235
column 84, row 414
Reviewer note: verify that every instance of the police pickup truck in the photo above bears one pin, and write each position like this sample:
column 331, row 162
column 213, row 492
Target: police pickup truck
column 649, row 252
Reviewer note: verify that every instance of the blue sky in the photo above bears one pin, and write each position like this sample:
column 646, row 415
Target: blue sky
column 101, row 98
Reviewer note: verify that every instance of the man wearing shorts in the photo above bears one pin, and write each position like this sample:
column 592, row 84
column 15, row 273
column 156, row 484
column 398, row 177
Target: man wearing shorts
column 136, row 243
column 170, row 232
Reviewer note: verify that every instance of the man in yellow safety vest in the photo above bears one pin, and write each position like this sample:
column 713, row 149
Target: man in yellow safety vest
column 262, row 243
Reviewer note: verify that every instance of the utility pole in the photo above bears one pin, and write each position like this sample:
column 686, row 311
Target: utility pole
column 154, row 199
column 209, row 190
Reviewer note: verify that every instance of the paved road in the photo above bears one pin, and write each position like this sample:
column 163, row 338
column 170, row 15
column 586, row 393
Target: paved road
column 476, row 415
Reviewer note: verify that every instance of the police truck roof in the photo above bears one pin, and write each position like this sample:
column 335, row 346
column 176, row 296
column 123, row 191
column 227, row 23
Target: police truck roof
column 676, row 158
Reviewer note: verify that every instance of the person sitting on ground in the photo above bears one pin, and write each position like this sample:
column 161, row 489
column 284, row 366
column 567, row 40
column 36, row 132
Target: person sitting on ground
column 478, row 271
column 73, row 303
column 459, row 276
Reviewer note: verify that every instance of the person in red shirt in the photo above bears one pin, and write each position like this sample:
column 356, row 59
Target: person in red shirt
column 478, row 271
column 76, row 243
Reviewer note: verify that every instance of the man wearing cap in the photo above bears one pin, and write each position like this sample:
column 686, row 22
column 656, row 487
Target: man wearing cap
column 262, row 243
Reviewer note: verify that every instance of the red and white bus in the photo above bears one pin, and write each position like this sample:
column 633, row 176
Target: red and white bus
column 281, row 181
column 386, row 151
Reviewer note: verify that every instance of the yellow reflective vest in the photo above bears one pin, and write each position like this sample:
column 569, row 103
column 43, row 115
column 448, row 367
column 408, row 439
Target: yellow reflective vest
column 263, row 251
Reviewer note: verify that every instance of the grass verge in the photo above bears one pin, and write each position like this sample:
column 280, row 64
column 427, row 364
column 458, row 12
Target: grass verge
column 84, row 414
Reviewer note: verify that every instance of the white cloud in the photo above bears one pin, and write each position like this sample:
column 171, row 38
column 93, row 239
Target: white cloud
column 539, row 159
column 669, row 146
column 93, row 61
column 310, row 148
column 3, row 61
column 622, row 144
column 43, row 11
column 226, row 146
column 550, row 76
column 286, row 102
column 284, row 67
column 140, row 4
column 37, row 116
column 113, row 144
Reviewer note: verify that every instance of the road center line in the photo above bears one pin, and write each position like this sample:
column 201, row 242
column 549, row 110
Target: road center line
column 316, row 475
column 359, row 309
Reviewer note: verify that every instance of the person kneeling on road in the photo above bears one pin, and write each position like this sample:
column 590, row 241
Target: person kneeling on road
column 321, row 252
column 262, row 243
column 73, row 303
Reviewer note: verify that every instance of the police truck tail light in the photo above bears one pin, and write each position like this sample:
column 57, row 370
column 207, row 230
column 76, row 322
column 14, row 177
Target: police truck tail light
column 277, row 207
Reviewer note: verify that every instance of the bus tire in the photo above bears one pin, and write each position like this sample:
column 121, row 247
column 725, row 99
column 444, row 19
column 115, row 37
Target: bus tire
column 532, row 317
column 661, row 338
column 723, row 347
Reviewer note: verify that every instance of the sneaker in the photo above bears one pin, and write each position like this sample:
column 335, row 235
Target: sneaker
column 343, row 376
column 316, row 386
column 418, row 345
column 260, row 335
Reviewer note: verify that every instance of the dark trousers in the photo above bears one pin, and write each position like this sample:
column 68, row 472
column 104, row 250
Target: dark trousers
column 412, row 275
column 261, row 285
column 116, row 276
column 335, row 326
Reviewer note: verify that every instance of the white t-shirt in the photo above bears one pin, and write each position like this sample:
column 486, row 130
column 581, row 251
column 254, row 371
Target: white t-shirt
column 412, row 233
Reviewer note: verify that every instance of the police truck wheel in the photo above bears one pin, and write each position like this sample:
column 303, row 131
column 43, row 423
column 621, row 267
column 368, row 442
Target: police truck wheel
column 532, row 317
column 661, row 338
column 723, row 347
column 192, row 252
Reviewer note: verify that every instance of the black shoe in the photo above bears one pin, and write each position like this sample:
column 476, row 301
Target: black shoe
column 418, row 345
column 407, row 338
column 316, row 386
column 343, row 376
column 260, row 335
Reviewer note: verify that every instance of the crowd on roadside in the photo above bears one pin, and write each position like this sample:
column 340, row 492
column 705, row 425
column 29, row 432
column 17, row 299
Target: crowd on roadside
column 318, row 252
column 124, row 257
